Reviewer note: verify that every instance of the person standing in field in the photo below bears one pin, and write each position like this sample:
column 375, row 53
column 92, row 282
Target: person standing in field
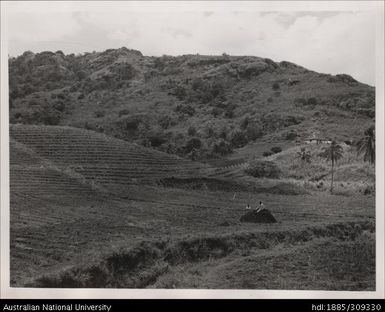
column 260, row 207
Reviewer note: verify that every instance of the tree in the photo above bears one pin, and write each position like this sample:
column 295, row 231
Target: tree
column 304, row 155
column 238, row 139
column 192, row 144
column 333, row 152
column 367, row 145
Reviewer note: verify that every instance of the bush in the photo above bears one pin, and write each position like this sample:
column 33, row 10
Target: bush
column 229, row 112
column 275, row 86
column 263, row 169
column 99, row 113
column 185, row 109
column 312, row 101
column 254, row 131
column 276, row 149
column 209, row 131
column 191, row 131
column 157, row 140
column 216, row 111
column 267, row 154
column 60, row 106
column 192, row 144
column 291, row 135
column 125, row 71
column 166, row 122
column 244, row 123
column 222, row 148
column 238, row 139
column 123, row 112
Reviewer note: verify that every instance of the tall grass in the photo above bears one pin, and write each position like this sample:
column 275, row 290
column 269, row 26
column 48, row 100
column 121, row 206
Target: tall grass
column 351, row 168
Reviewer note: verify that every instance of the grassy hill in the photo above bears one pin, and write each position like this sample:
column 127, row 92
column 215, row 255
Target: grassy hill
column 195, row 106
column 111, row 165
column 98, row 158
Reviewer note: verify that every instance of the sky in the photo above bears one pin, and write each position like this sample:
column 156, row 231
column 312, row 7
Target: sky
column 332, row 40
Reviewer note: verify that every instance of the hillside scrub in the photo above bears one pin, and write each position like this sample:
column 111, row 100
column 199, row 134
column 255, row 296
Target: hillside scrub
column 106, row 91
column 348, row 169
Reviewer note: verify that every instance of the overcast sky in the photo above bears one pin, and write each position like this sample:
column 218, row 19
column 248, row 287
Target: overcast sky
column 331, row 41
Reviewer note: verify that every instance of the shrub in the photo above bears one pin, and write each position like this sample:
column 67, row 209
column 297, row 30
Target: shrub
column 60, row 106
column 216, row 111
column 229, row 112
column 193, row 143
column 312, row 101
column 238, row 139
column 125, row 71
column 191, row 131
column 222, row 148
column 275, row 86
column 244, row 123
column 267, row 154
column 254, row 131
column 99, row 113
column 179, row 92
column 157, row 140
column 368, row 190
column 124, row 112
column 291, row 135
column 276, row 149
column 185, row 109
column 209, row 132
column 166, row 122
column 263, row 169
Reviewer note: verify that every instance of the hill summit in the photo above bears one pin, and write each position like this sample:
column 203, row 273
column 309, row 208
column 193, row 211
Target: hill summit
column 195, row 106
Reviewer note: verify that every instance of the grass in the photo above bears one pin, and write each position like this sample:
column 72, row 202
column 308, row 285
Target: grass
column 141, row 266
column 351, row 173
column 322, row 264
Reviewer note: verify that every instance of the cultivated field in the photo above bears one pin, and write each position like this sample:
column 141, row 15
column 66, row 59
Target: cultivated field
column 88, row 210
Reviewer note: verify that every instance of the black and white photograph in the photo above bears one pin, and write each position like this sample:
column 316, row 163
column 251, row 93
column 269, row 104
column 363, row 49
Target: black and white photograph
column 193, row 145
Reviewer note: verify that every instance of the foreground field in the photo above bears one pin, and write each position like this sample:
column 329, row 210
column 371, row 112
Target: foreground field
column 70, row 228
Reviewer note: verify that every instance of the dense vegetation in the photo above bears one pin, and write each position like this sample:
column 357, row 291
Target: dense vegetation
column 199, row 107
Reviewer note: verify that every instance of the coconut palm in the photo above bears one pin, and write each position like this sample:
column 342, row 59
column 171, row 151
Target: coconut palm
column 304, row 155
column 367, row 146
column 333, row 152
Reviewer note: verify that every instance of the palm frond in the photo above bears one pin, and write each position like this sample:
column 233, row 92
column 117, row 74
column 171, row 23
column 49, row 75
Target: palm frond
column 367, row 146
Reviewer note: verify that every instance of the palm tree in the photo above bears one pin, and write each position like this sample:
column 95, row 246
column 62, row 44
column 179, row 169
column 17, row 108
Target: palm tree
column 367, row 145
column 304, row 155
column 333, row 152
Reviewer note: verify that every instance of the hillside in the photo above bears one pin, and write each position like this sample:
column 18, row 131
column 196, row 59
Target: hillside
column 128, row 171
column 95, row 158
column 199, row 107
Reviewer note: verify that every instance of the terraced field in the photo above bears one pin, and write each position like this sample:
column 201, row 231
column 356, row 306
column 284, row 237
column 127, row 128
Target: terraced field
column 87, row 211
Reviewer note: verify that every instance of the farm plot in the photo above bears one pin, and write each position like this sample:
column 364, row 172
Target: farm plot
column 102, row 159
column 70, row 235
column 66, row 224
